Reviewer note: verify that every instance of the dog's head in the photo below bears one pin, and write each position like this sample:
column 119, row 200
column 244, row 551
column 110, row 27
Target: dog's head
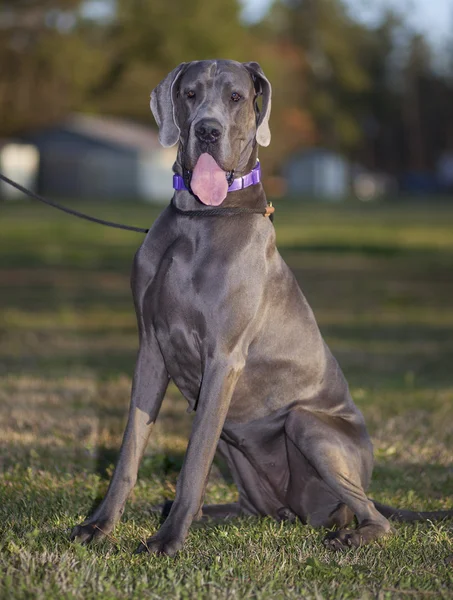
column 210, row 107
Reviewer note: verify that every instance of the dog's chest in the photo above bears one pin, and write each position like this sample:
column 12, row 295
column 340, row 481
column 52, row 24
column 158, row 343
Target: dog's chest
column 181, row 301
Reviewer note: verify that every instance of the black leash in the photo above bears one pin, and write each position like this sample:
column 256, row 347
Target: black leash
column 212, row 212
column 70, row 211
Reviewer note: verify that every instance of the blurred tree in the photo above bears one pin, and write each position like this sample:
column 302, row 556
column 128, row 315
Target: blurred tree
column 54, row 59
column 148, row 38
column 331, row 75
column 45, row 64
column 449, row 86
column 417, row 68
column 284, row 63
column 379, row 105
column 372, row 93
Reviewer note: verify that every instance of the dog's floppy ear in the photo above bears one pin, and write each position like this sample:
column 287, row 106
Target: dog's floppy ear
column 262, row 88
column 163, row 107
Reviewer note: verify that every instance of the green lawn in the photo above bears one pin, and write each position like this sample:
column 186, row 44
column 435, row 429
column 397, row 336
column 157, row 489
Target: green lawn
column 380, row 281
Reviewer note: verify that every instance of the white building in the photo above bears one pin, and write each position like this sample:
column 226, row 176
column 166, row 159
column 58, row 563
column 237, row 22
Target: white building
column 19, row 162
column 102, row 157
column 317, row 173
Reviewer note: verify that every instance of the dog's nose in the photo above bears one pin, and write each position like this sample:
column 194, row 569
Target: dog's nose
column 208, row 130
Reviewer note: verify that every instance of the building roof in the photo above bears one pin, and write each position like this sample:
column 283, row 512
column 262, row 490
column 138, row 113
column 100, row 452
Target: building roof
column 113, row 131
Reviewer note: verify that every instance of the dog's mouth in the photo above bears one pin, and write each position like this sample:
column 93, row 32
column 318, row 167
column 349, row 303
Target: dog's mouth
column 208, row 181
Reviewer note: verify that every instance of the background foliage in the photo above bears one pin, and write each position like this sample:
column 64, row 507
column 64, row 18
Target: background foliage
column 375, row 94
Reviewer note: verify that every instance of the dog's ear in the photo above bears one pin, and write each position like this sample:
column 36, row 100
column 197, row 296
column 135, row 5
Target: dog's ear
column 262, row 88
column 163, row 107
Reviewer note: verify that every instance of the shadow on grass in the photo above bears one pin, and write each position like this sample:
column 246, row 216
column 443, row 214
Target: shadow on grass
column 344, row 248
column 424, row 480
column 158, row 465
column 86, row 257
column 400, row 333
column 104, row 365
column 365, row 249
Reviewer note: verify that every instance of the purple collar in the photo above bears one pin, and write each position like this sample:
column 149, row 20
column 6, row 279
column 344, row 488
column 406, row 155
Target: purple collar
column 238, row 184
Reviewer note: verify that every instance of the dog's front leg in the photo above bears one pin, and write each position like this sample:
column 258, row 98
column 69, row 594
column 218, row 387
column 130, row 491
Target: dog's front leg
column 217, row 389
column 149, row 386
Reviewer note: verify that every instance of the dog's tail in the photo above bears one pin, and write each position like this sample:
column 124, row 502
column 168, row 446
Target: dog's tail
column 410, row 516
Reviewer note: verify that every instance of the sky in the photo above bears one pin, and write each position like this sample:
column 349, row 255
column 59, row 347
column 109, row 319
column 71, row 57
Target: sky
column 431, row 17
column 434, row 18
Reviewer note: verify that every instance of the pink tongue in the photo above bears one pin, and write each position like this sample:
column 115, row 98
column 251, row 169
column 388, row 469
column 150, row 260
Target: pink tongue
column 208, row 181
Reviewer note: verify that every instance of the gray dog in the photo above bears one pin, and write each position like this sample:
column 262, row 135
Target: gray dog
column 221, row 314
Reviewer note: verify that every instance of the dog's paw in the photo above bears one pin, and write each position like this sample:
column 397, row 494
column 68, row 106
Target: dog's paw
column 89, row 531
column 286, row 514
column 161, row 544
column 344, row 539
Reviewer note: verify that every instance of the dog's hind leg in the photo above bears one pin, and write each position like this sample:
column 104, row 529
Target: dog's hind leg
column 257, row 496
column 339, row 454
column 310, row 498
column 150, row 383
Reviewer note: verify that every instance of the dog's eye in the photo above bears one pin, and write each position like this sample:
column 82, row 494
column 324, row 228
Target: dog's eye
column 235, row 97
column 190, row 94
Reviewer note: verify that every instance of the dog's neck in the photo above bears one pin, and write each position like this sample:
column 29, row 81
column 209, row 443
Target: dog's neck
column 251, row 197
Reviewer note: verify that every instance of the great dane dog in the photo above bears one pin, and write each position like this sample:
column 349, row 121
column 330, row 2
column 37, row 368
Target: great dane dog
column 220, row 313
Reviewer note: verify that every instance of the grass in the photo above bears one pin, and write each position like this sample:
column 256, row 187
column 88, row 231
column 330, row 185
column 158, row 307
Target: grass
column 379, row 279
